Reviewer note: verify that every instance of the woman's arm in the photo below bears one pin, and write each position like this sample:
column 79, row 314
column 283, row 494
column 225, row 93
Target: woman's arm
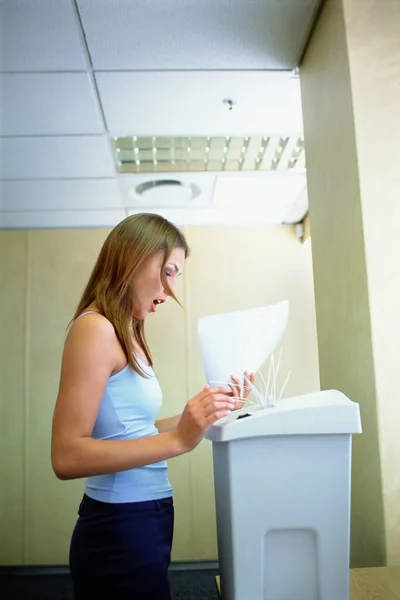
column 91, row 354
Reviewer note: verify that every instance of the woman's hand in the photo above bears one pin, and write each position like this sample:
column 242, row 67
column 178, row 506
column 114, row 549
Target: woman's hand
column 200, row 413
column 237, row 387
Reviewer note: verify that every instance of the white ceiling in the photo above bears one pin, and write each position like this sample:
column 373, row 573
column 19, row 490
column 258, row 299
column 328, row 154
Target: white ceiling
column 75, row 74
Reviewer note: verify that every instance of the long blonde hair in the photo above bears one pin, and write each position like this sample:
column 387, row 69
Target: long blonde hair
column 127, row 246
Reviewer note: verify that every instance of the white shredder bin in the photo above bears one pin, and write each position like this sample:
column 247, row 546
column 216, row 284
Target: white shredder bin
column 282, row 489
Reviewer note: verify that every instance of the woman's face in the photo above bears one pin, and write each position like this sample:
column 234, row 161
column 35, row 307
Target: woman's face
column 148, row 289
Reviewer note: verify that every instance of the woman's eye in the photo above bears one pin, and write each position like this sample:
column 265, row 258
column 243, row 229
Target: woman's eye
column 168, row 274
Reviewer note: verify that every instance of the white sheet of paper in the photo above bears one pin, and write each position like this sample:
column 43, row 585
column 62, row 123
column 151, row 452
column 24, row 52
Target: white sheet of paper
column 235, row 342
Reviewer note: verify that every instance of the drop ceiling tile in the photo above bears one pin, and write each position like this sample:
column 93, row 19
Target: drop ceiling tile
column 56, row 157
column 62, row 195
column 51, row 103
column 188, row 34
column 191, row 103
column 299, row 209
column 39, row 35
column 61, row 219
column 274, row 193
column 214, row 216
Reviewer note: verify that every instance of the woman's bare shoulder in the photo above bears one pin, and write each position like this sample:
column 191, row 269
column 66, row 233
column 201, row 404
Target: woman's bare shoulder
column 91, row 326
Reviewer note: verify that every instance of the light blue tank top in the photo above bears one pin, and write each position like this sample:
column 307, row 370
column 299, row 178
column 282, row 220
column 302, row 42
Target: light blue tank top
column 127, row 411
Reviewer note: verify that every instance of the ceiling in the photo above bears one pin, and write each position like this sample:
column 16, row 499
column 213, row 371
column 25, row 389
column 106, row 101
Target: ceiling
column 77, row 75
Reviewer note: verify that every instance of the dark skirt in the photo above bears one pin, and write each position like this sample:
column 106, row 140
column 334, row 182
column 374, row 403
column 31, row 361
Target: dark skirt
column 122, row 551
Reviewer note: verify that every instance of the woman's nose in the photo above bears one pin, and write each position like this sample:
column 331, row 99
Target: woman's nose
column 171, row 288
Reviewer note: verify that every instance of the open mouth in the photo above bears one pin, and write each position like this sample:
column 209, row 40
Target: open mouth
column 156, row 303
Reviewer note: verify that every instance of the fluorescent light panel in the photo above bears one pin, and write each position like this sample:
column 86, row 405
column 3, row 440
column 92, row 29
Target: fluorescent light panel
column 193, row 154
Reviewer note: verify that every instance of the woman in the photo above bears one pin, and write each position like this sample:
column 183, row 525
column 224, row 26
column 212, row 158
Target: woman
column 104, row 426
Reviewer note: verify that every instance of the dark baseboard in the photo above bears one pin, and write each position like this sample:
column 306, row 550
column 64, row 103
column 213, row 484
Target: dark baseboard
column 194, row 565
column 189, row 565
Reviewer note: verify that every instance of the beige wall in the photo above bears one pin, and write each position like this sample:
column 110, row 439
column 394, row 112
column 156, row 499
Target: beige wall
column 351, row 98
column 42, row 274
column 373, row 33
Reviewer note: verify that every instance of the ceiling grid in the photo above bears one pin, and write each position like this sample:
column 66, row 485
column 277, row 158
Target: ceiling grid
column 207, row 89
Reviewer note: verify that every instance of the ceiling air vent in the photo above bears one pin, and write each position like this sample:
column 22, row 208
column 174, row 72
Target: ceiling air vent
column 167, row 192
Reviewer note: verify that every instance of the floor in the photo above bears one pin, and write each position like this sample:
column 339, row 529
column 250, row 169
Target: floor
column 374, row 583
column 365, row 584
column 185, row 585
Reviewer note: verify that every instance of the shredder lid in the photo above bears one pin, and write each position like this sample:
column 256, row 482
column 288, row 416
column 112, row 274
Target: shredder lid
column 321, row 413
